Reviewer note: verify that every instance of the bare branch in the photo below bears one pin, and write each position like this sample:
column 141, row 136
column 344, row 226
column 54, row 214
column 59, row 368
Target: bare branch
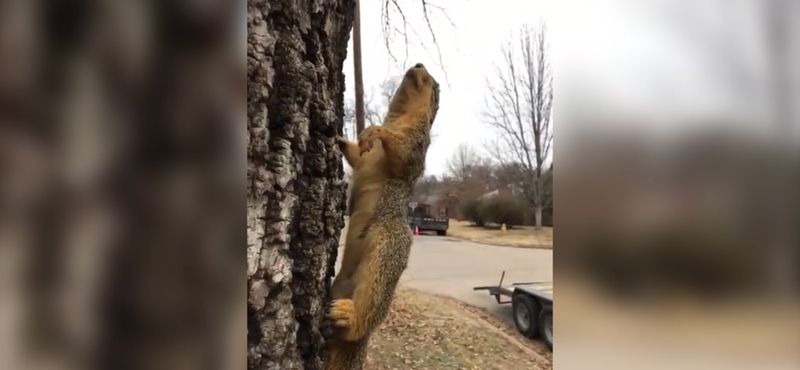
column 433, row 36
column 388, row 7
column 405, row 30
column 444, row 13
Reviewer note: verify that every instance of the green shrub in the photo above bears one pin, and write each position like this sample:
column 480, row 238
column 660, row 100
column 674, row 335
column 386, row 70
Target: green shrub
column 504, row 210
column 473, row 212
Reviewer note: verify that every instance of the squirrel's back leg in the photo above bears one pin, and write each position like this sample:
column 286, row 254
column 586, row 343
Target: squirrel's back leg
column 375, row 281
column 343, row 287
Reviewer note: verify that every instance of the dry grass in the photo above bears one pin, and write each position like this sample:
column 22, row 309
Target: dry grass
column 519, row 236
column 429, row 332
column 509, row 329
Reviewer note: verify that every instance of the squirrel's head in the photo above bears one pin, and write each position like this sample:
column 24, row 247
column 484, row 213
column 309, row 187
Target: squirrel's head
column 418, row 92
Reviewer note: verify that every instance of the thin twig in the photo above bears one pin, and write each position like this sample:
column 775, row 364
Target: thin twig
column 386, row 9
column 433, row 36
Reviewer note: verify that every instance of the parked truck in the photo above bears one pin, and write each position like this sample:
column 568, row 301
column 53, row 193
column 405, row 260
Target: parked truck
column 419, row 216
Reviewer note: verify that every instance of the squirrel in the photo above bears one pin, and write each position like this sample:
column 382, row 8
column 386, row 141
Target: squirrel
column 378, row 239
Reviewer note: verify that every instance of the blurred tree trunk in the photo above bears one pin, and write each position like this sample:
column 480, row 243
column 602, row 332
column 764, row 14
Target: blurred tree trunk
column 782, row 257
column 296, row 195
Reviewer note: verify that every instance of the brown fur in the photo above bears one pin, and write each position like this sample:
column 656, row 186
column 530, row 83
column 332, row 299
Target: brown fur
column 380, row 242
column 369, row 176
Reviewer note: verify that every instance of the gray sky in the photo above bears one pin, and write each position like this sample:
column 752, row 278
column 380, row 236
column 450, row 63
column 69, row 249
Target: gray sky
column 666, row 61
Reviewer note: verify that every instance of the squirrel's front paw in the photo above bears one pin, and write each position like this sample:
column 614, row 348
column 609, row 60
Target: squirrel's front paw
column 343, row 314
column 367, row 139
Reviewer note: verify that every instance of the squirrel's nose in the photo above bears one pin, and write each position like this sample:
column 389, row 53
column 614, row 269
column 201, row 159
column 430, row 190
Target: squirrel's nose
column 419, row 65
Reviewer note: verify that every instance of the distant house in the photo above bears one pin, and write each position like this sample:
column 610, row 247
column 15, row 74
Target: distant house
column 438, row 207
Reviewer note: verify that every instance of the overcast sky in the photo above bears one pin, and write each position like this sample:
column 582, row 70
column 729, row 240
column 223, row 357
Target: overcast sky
column 662, row 60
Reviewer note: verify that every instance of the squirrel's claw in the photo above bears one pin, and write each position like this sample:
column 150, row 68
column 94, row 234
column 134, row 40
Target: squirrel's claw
column 364, row 146
column 343, row 314
column 367, row 139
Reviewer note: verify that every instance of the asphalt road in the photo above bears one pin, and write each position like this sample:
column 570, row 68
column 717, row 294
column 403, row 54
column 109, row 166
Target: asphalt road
column 452, row 267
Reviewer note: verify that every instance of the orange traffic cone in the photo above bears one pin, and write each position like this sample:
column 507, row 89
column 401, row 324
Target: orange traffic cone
column 416, row 231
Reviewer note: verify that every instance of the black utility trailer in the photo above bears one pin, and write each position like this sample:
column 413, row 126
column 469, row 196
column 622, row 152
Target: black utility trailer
column 532, row 306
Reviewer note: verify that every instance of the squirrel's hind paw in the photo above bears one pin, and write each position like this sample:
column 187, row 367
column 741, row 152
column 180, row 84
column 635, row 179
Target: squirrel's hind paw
column 342, row 312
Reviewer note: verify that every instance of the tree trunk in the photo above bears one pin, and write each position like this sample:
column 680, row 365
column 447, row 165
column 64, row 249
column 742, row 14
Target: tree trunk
column 296, row 195
column 537, row 199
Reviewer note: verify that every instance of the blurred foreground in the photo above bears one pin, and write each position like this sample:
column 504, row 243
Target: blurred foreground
column 678, row 189
column 121, row 170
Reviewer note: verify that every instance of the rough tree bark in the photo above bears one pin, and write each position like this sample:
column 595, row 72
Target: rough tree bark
column 296, row 195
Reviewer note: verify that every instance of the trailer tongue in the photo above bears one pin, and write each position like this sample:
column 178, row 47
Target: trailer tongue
column 532, row 305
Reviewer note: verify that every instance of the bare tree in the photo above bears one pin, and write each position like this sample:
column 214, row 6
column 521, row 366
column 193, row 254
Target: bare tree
column 376, row 110
column 469, row 174
column 519, row 106
column 350, row 125
column 460, row 164
column 425, row 188
column 387, row 89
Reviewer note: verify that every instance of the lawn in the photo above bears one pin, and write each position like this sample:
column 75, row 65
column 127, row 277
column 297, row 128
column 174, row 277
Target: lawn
column 429, row 332
column 519, row 236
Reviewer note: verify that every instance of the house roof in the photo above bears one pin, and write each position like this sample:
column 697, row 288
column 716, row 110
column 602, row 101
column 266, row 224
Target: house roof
column 430, row 199
column 492, row 193
column 433, row 199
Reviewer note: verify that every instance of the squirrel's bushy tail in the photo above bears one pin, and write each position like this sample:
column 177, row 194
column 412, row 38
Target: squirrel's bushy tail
column 342, row 355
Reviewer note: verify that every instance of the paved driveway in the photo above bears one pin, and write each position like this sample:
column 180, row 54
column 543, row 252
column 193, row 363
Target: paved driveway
column 451, row 267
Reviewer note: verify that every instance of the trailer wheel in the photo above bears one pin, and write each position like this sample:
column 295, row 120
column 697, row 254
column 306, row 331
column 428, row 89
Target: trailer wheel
column 546, row 326
column 441, row 232
column 526, row 311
